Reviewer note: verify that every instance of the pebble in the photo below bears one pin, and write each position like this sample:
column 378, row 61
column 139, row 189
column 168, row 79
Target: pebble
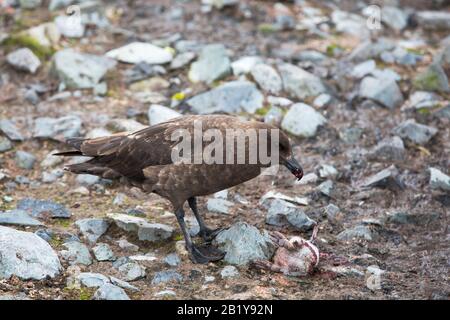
column 166, row 276
column 302, row 120
column 219, row 205
column 109, row 291
column 76, row 253
column 103, row 252
column 25, row 160
column 439, row 180
column 26, row 256
column 138, row 52
column 229, row 272
column 212, row 64
column 9, row 128
column 282, row 213
column 244, row 243
column 24, row 59
column 172, row 260
column 299, row 83
column 92, row 229
column 415, row 132
column 41, row 208
column 267, row 78
column 231, row 97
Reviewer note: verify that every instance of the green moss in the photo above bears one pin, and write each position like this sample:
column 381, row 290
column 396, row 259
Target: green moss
column 79, row 293
column 23, row 40
column 65, row 223
column 267, row 28
column 332, row 49
column 262, row 111
column 428, row 80
column 56, row 242
column 178, row 237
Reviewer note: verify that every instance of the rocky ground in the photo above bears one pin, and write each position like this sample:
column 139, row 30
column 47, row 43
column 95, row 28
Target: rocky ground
column 365, row 101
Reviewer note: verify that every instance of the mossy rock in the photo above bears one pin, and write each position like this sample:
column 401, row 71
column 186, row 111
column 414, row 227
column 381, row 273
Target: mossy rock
column 433, row 79
column 24, row 40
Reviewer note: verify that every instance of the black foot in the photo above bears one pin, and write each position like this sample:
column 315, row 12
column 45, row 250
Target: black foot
column 208, row 235
column 206, row 253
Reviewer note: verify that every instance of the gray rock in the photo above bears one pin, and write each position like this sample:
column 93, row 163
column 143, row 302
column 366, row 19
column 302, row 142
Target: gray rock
column 439, row 180
column 24, row 59
column 109, row 291
column 92, row 229
column 229, row 272
column 423, row 99
column 433, row 78
column 10, row 130
column 166, row 293
column 212, row 64
column 311, row 55
column 244, row 243
column 25, row 160
column 394, row 17
column 52, row 176
column 300, row 83
column 219, row 205
column 87, row 179
column 267, row 78
column 92, row 280
column 274, row 116
column 357, row 232
column 155, row 232
column 391, row 149
column 145, row 231
column 120, row 125
column 182, row 60
column 332, row 211
column 103, row 252
column 97, row 133
column 27, row 256
column 433, row 20
column 415, row 132
column 127, row 246
column 282, row 213
column 368, row 49
column 80, row 70
column 245, row 64
column 123, row 284
column 385, row 177
column 328, row 171
column 68, row 27
column 172, row 260
column 231, row 97
column 322, row 100
column 382, row 90
column 327, row 188
column 30, row 4
column 5, row 144
column 363, row 69
column 57, row 128
column 19, row 218
column 76, row 253
column 40, row 208
column 166, row 276
column 100, row 89
column 302, row 120
column 138, row 52
column 158, row 114
column 50, row 160
column 404, row 57
column 350, row 23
